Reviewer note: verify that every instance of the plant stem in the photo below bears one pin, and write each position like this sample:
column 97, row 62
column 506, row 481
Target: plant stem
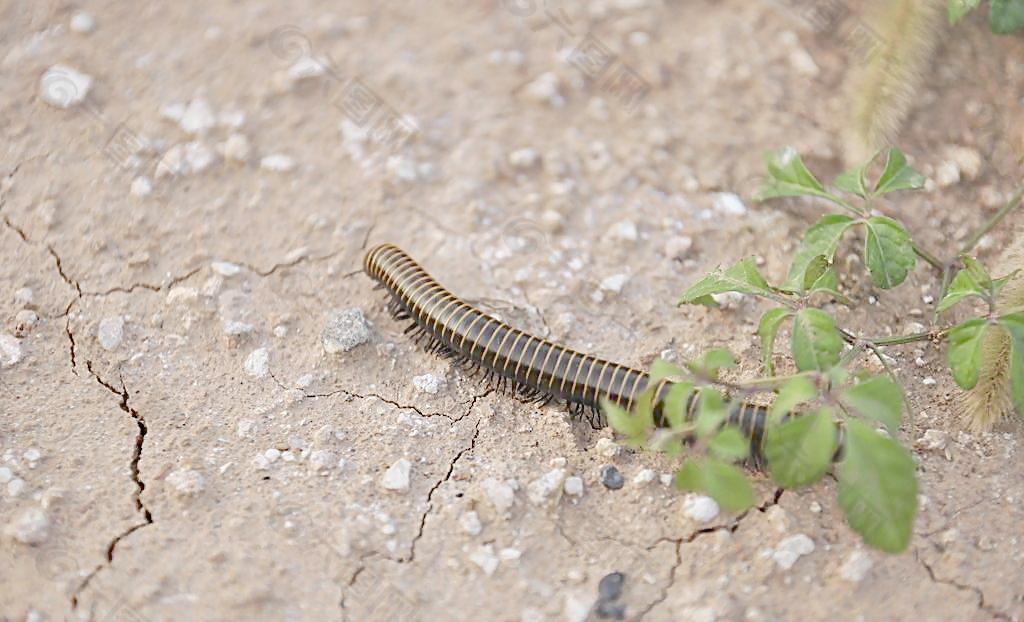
column 993, row 221
column 928, row 257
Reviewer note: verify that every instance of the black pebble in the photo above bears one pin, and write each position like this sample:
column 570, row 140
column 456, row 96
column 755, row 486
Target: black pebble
column 611, row 478
column 610, row 586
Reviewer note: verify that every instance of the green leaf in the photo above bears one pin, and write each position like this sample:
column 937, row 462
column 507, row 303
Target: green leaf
column 661, row 369
column 964, row 351
column 729, row 444
column 956, row 9
column 1014, row 324
column 1006, row 16
column 852, row 181
column 998, row 284
column 767, row 330
column 788, row 177
column 633, row 427
column 821, row 239
column 711, row 411
column 888, row 252
column 801, row 450
column 877, row 398
column 742, row 277
column 816, row 341
column 828, row 283
column 898, row 175
column 674, row 406
column 964, row 285
column 726, row 484
column 794, row 392
column 712, row 361
column 877, row 488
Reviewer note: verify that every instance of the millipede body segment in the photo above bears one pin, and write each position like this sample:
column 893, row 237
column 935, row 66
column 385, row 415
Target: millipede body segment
column 529, row 366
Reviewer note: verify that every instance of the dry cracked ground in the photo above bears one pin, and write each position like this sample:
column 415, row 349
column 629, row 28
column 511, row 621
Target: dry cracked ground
column 208, row 414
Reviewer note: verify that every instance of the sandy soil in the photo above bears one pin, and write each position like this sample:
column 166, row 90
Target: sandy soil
column 178, row 444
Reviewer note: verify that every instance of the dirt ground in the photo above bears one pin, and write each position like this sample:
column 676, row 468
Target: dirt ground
column 177, row 442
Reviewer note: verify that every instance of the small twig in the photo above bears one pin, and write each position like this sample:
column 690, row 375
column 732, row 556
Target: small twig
column 993, row 221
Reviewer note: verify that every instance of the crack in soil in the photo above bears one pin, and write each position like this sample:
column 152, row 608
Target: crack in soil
column 140, row 486
column 679, row 542
column 963, row 587
column 430, row 494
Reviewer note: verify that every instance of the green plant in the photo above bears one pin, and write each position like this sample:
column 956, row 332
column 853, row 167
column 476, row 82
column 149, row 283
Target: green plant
column 828, row 409
column 1005, row 16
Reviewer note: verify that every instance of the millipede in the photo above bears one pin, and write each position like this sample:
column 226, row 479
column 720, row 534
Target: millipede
column 516, row 362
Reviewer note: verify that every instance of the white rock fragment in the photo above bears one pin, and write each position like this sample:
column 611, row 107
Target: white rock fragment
column 10, row 350
column 624, row 231
column 30, row 527
column 141, row 186
column 198, row 157
column 676, row 247
column 24, row 295
column 700, row 508
column 32, row 455
column 524, row 158
column 234, row 328
column 236, row 148
column 499, row 493
column 225, row 268
column 934, row 440
column 644, row 477
column 947, row 174
column 111, row 332
column 577, row 607
column 186, row 482
column 402, row 168
column 729, row 204
column 198, row 117
column 345, row 330
column 181, row 293
column 277, row 162
column 5, row 475
column 63, row 87
column 967, row 160
column 396, row 478
column 607, row 447
column 856, row 566
column 803, row 62
column 428, row 383
column 322, row 460
column 573, row 486
column 929, row 381
column 82, row 23
column 272, row 454
column 484, row 557
column 257, row 364
column 305, row 68
column 245, row 427
column 470, row 522
column 15, row 487
column 614, row 283
column 792, row 549
column 547, row 488
column 545, row 89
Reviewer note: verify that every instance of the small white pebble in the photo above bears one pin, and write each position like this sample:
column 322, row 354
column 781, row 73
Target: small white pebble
column 186, row 482
column 856, row 566
column 470, row 523
column 30, row 527
column 396, row 478
column 322, row 460
column 523, row 158
column 573, row 486
column 499, row 493
column 700, row 508
column 814, row 507
column 344, row 330
column 32, row 454
column 277, row 162
column 791, row 549
column 547, row 488
column 272, row 454
column 245, row 427
column 111, row 332
column 729, row 204
column 236, row 148
column 428, row 383
column 5, row 475
column 645, row 476
column 63, row 87
column 141, row 186
column 947, row 174
column 624, row 231
column 10, row 350
column 198, row 117
column 234, row 328
column 929, row 381
column 24, row 295
column 607, row 447
column 15, row 487
column 82, row 23
column 614, row 283
column 485, row 558
column 225, row 268
column 257, row 363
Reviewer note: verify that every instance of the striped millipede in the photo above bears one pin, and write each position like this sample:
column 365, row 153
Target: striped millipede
column 531, row 367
